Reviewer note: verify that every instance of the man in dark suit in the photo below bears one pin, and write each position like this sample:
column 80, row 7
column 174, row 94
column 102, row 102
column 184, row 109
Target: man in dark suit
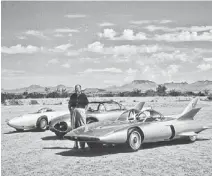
column 77, row 105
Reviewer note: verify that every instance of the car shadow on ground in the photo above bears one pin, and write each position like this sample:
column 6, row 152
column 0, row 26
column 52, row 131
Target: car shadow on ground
column 109, row 150
column 57, row 148
column 25, row 131
column 49, row 138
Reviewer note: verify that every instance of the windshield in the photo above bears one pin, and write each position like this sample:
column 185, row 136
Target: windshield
column 124, row 116
column 93, row 107
column 144, row 116
column 44, row 110
column 149, row 116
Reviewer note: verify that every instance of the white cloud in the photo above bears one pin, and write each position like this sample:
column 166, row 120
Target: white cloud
column 106, row 24
column 125, row 50
column 165, row 21
column 170, row 71
column 96, row 47
column 173, row 69
column 127, row 34
column 175, row 55
column 66, row 30
column 179, row 29
column 53, row 61
column 10, row 72
column 22, row 37
column 61, row 48
column 162, row 28
column 66, row 65
column 35, row 33
column 112, row 70
column 140, row 22
column 108, row 33
column 150, row 21
column 89, row 59
column 58, row 35
column 130, row 75
column 185, row 36
column 208, row 59
column 20, row 49
column 75, row 16
column 204, row 67
column 72, row 53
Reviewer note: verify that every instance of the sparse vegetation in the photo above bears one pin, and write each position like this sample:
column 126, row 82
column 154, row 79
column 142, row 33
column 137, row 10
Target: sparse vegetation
column 62, row 93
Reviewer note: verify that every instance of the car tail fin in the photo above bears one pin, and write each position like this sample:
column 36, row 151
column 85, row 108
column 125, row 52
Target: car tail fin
column 192, row 104
column 189, row 115
column 139, row 106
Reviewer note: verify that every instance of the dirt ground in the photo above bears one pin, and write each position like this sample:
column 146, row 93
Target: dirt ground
column 41, row 153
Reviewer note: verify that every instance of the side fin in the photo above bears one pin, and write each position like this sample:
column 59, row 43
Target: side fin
column 189, row 115
column 192, row 104
column 191, row 133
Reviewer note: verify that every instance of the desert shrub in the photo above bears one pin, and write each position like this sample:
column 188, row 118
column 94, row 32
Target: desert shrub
column 209, row 97
column 14, row 102
column 135, row 93
column 33, row 102
column 189, row 93
column 175, row 93
column 161, row 90
column 54, row 94
column 200, row 94
column 34, row 95
column 150, row 93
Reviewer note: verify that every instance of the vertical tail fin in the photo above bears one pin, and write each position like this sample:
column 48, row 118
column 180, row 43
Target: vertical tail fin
column 189, row 115
column 190, row 106
column 139, row 106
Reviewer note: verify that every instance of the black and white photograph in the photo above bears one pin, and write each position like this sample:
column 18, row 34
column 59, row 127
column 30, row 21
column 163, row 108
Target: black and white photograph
column 107, row 88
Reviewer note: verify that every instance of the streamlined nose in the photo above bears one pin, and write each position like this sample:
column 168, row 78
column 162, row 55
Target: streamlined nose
column 14, row 122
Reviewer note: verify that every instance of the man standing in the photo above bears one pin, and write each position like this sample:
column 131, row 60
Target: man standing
column 77, row 105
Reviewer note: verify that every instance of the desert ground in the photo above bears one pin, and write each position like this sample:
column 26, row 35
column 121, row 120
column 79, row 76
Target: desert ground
column 41, row 153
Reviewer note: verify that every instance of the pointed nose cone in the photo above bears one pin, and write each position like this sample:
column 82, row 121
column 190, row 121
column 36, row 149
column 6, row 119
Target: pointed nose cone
column 14, row 122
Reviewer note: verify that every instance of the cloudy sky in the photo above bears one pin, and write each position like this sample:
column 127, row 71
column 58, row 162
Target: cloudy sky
column 99, row 44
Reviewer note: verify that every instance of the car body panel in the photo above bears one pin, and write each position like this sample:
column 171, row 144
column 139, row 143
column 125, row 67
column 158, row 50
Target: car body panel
column 91, row 114
column 29, row 121
column 160, row 128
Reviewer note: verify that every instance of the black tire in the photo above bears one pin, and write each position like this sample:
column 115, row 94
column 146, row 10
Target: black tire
column 94, row 145
column 60, row 135
column 19, row 130
column 42, row 124
column 134, row 140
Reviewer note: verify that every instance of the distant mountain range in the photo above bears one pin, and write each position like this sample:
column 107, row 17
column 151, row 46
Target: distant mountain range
column 142, row 85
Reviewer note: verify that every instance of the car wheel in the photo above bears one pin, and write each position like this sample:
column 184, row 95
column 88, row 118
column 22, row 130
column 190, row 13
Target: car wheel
column 19, row 130
column 94, row 145
column 42, row 125
column 192, row 138
column 134, row 140
column 60, row 135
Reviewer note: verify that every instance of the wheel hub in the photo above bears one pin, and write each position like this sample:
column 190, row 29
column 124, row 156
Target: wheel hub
column 135, row 140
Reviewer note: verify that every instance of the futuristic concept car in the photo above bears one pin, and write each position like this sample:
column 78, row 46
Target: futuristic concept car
column 38, row 120
column 135, row 128
column 95, row 112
